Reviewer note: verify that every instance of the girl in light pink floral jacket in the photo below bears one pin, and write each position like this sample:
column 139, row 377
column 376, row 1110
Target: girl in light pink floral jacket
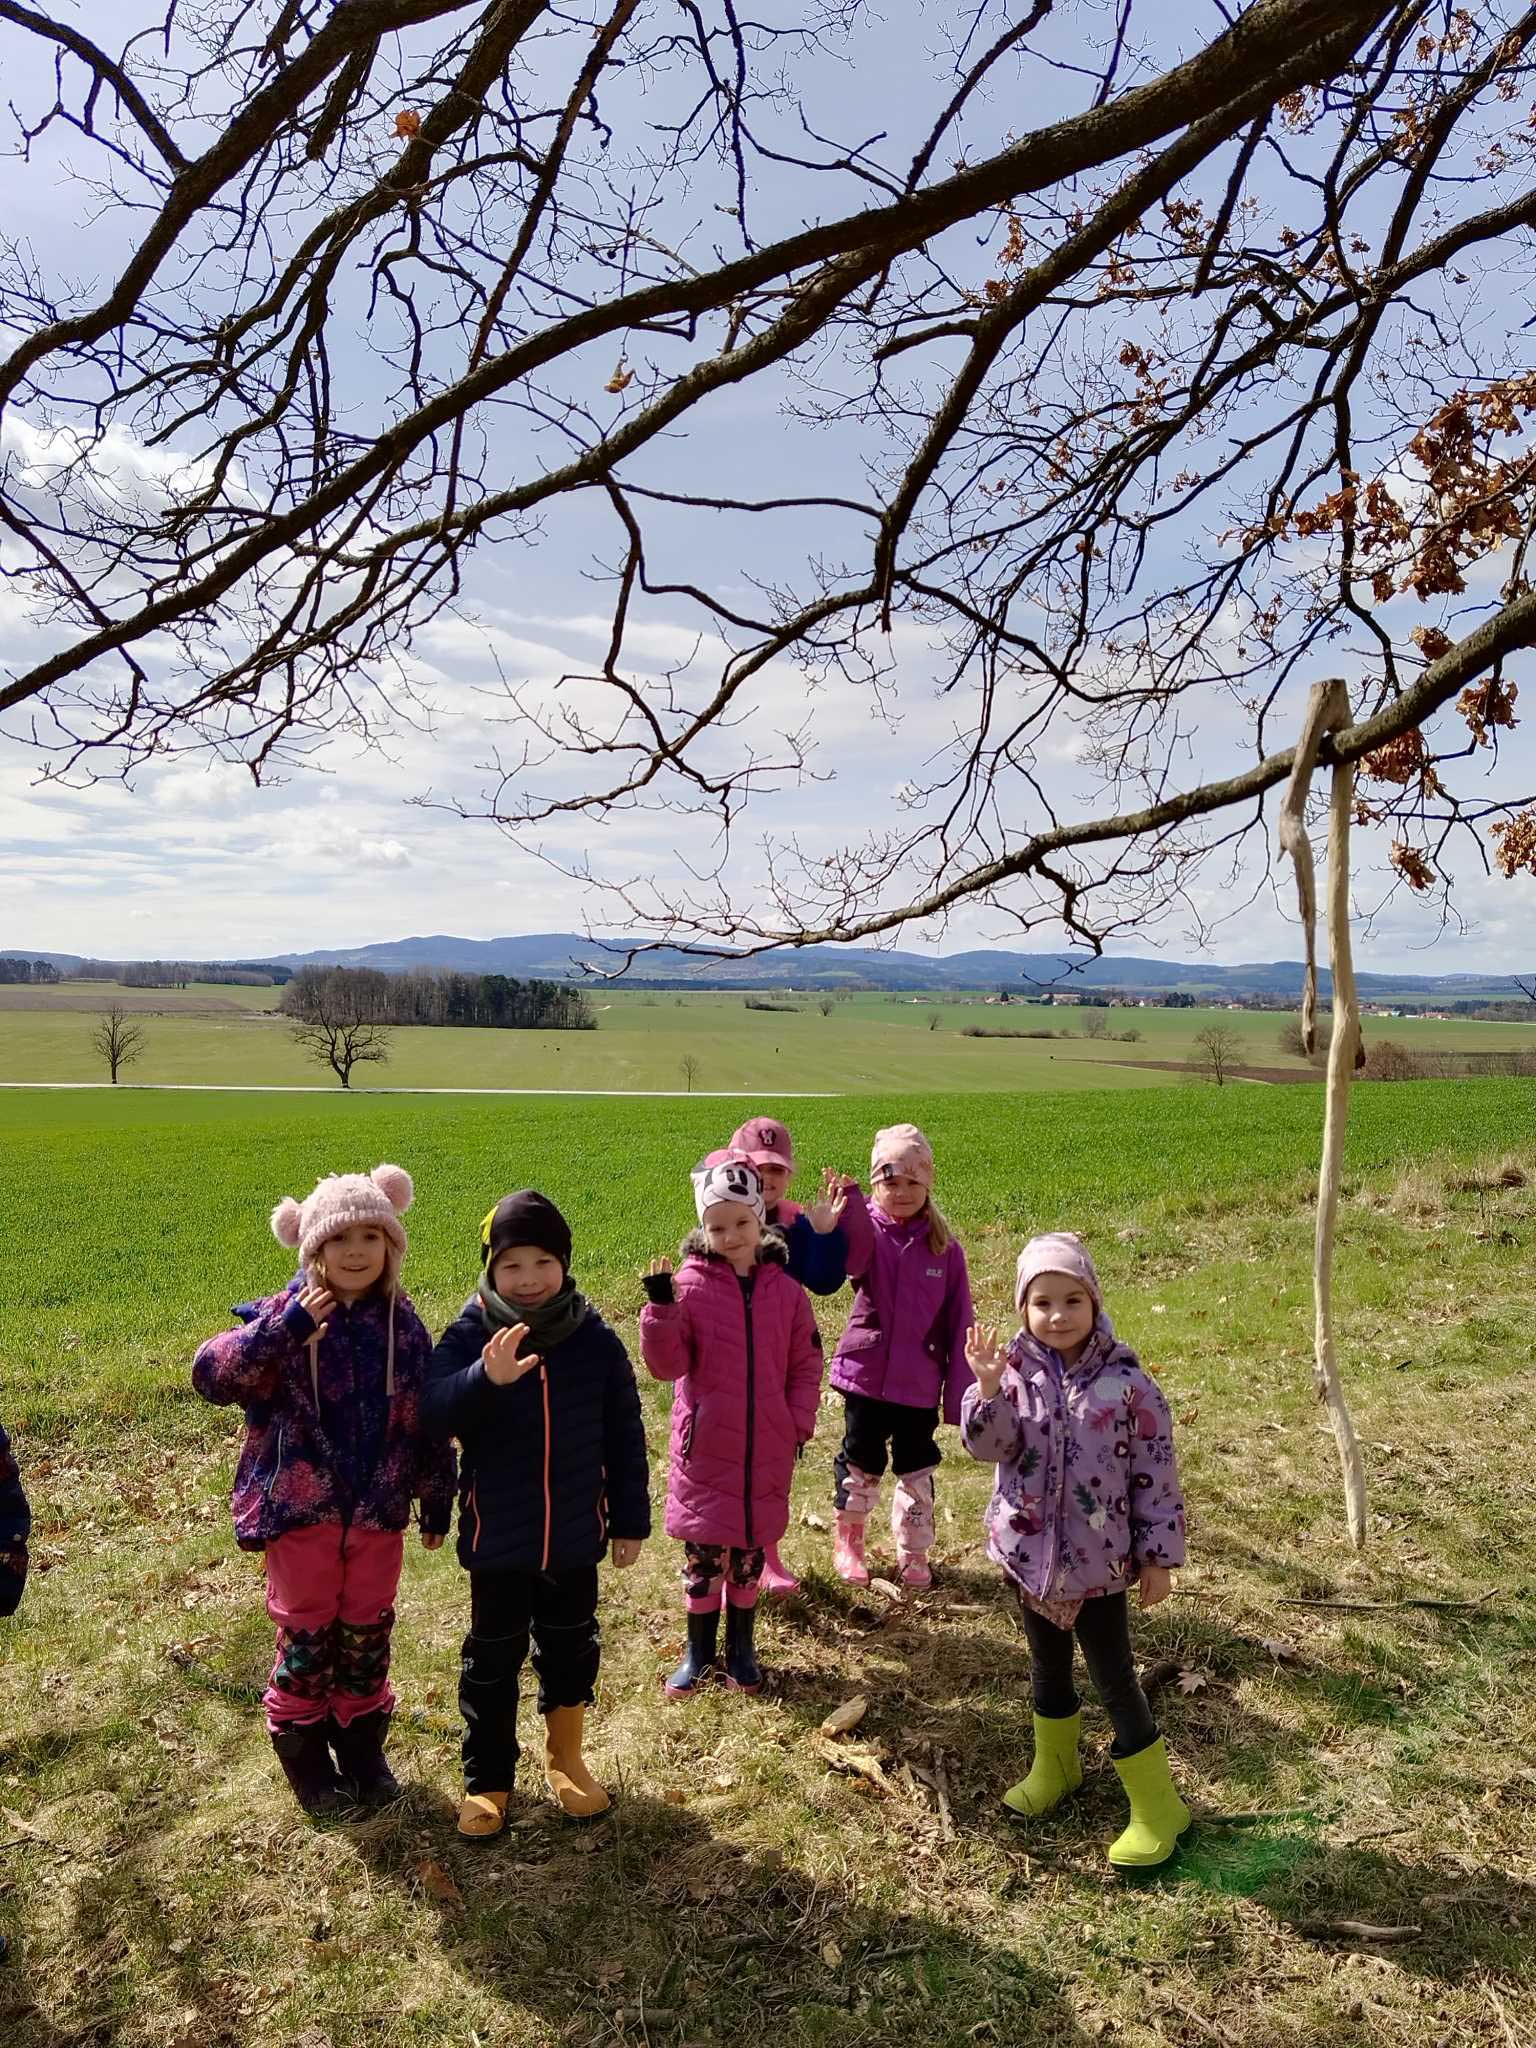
column 1087, row 1504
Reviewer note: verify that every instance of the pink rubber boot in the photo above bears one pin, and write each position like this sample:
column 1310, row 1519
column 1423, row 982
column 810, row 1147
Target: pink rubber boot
column 776, row 1580
column 848, row 1549
column 912, row 1524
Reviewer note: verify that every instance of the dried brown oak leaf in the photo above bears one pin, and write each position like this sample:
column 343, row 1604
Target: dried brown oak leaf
column 436, row 1882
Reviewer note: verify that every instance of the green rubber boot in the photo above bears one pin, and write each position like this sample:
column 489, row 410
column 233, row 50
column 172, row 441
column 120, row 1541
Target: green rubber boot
column 1158, row 1815
column 1055, row 1773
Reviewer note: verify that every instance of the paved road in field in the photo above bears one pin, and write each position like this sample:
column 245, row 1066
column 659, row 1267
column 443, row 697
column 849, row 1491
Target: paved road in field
column 311, row 1088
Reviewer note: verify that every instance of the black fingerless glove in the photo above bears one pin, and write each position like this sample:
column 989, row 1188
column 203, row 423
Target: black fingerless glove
column 659, row 1289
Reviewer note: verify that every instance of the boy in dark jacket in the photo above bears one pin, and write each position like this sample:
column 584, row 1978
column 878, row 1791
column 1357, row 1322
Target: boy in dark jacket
column 541, row 1395
column 15, row 1528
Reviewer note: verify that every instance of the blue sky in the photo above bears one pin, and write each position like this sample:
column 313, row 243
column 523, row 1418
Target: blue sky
column 193, row 859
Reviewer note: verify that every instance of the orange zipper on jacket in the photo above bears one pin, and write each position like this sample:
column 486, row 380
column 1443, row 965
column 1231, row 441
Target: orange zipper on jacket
column 544, row 1382
column 474, row 1508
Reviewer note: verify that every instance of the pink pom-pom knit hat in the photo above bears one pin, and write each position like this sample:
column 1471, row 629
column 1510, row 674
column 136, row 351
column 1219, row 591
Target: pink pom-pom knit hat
column 339, row 1201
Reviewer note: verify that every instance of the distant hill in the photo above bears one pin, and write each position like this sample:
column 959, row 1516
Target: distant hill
column 565, row 956
column 561, row 956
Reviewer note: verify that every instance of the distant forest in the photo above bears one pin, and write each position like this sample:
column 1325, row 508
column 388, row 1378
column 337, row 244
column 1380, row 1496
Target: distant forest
column 147, row 973
column 497, row 1002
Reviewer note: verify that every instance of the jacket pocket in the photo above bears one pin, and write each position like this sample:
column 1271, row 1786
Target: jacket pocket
column 685, row 1449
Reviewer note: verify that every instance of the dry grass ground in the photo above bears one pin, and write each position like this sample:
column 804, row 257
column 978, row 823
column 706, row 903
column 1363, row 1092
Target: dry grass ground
column 1366, row 1762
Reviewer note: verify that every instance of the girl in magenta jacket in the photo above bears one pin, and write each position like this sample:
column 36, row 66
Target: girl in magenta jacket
column 901, row 1361
column 738, row 1337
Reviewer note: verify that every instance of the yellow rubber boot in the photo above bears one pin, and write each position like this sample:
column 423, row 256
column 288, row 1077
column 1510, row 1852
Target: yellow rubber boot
column 483, row 1814
column 1056, row 1771
column 1158, row 1815
column 578, row 1792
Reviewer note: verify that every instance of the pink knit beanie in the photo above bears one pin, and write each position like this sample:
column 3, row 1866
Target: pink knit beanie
column 901, row 1148
column 1059, row 1251
column 339, row 1201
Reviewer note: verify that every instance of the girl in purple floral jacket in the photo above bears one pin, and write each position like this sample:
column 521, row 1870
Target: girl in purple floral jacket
column 330, row 1375
column 1087, row 1504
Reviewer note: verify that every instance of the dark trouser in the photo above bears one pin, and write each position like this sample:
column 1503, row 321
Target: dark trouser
column 869, row 1426
column 1103, row 1627
column 559, row 1609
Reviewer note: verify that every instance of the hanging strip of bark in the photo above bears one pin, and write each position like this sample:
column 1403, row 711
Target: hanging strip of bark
column 1328, row 711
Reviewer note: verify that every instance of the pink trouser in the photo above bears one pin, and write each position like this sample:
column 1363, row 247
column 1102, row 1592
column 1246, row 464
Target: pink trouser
column 912, row 1512
column 331, row 1596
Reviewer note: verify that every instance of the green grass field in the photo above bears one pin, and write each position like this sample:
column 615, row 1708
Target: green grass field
column 864, row 1045
column 160, row 1891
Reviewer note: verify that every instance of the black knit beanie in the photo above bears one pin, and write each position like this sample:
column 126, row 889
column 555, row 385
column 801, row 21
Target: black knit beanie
column 525, row 1218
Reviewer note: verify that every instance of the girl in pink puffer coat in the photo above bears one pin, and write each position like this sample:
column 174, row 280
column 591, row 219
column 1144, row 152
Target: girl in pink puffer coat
column 738, row 1337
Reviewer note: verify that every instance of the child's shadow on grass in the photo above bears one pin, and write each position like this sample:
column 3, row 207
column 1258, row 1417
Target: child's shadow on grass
column 644, row 1919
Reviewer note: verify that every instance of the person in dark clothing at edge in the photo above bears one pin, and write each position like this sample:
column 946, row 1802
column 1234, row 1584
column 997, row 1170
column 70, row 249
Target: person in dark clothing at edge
column 541, row 1395
column 15, row 1528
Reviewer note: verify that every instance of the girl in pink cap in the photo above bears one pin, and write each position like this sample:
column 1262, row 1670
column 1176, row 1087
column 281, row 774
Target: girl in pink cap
column 901, row 1361
column 330, row 1374
column 1087, row 1505
column 821, row 1240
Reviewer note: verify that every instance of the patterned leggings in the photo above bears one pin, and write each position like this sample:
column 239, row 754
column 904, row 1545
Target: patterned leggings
column 331, row 1595
column 709, row 1566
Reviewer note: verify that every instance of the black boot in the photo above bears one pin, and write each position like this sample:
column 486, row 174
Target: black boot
column 359, row 1747
column 742, row 1670
column 699, row 1662
column 307, row 1766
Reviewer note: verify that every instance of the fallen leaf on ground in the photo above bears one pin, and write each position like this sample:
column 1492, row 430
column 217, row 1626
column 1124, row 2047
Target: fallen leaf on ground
column 844, row 1719
column 1282, row 1651
column 1193, row 1681
column 811, row 1520
column 887, row 1589
column 436, row 1881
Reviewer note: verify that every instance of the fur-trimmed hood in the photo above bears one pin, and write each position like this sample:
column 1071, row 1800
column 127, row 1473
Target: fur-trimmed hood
column 772, row 1248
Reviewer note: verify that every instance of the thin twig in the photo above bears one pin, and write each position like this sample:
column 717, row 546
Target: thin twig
column 1390, row 1606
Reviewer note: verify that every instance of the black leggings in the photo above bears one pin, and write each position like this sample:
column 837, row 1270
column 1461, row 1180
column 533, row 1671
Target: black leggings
column 1103, row 1628
column 869, row 1425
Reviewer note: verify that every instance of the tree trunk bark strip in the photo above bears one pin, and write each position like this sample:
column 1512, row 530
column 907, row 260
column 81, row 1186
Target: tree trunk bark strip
column 1328, row 711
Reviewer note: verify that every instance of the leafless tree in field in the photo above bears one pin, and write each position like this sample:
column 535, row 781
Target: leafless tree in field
column 117, row 1039
column 336, row 1022
column 1215, row 382
column 1218, row 1048
column 688, row 1067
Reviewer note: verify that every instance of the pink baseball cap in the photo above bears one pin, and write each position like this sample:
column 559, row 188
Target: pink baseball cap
column 764, row 1141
